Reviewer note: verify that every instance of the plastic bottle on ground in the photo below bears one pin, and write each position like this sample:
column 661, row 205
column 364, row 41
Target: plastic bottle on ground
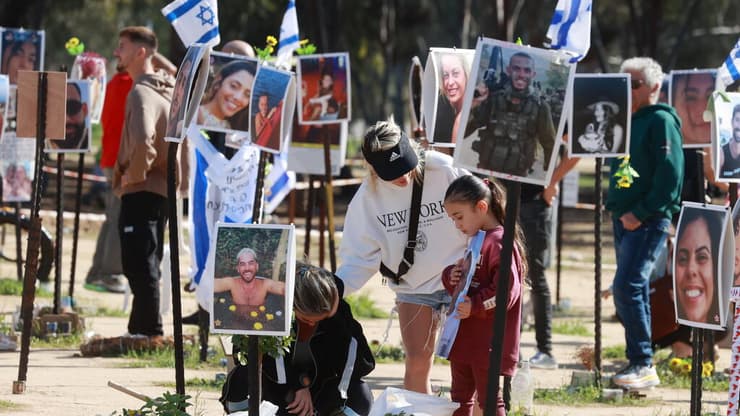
column 522, row 389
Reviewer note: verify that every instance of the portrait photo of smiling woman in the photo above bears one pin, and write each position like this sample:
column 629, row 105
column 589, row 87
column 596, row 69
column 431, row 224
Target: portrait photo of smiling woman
column 225, row 104
column 697, row 270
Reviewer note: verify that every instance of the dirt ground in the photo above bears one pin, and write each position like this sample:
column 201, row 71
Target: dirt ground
column 60, row 381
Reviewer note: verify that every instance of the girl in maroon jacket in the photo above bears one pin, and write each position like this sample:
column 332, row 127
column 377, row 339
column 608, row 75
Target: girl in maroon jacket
column 475, row 204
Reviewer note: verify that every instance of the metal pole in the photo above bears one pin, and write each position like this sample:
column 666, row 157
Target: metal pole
column 254, row 363
column 18, row 248
column 559, row 246
column 597, row 273
column 697, row 357
column 59, row 235
column 76, row 229
column 309, row 214
column 34, row 239
column 502, row 296
column 329, row 197
column 175, row 266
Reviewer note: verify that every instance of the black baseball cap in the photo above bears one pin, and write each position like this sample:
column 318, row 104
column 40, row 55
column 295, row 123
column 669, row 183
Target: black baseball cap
column 395, row 162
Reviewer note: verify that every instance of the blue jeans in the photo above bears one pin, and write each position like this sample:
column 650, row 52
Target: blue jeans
column 637, row 252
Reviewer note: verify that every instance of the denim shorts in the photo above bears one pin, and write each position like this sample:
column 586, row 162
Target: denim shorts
column 436, row 300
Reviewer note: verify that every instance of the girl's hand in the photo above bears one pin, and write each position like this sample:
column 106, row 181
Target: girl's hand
column 302, row 405
column 463, row 309
column 456, row 273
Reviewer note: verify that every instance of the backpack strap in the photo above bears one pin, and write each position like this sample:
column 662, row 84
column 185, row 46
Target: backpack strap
column 408, row 253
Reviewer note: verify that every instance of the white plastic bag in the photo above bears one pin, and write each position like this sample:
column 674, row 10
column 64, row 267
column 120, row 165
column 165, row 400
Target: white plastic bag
column 394, row 400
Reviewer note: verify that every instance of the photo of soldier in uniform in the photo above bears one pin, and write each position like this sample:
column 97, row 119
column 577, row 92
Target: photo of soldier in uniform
column 513, row 111
column 600, row 119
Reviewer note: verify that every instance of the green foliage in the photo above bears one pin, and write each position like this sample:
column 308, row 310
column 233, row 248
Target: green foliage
column 668, row 378
column 270, row 345
column 13, row 287
column 570, row 328
column 364, row 307
column 165, row 358
column 7, row 406
column 613, row 352
column 574, row 396
column 199, row 383
column 264, row 242
column 169, row 404
column 388, row 354
column 61, row 341
column 109, row 312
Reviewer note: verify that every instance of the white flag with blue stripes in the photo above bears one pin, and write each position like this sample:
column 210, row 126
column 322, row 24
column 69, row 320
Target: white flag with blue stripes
column 289, row 40
column 278, row 183
column 570, row 28
column 729, row 72
column 195, row 21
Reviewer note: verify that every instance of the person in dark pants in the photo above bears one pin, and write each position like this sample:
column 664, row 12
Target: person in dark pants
column 140, row 176
column 535, row 218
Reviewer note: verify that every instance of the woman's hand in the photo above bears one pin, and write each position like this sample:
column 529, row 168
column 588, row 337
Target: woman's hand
column 463, row 309
column 302, row 404
column 456, row 273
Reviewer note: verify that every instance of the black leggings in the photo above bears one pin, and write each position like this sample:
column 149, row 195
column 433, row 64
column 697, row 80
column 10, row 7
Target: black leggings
column 327, row 401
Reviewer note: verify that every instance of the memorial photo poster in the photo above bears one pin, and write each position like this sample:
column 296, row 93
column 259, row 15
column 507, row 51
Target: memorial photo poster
column 183, row 97
column 514, row 111
column 726, row 137
column 4, row 101
column 735, row 289
column 272, row 108
column 325, row 88
column 91, row 67
column 20, row 50
column 17, row 164
column 446, row 76
column 254, row 276
column 600, row 115
column 225, row 103
column 689, row 93
column 703, row 265
column 77, row 124
column 306, row 153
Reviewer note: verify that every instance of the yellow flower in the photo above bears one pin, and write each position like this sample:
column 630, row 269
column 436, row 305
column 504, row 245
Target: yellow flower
column 707, row 369
column 72, row 42
column 686, row 367
column 257, row 325
column 262, row 308
column 303, row 42
column 232, row 308
column 271, row 41
column 270, row 316
column 675, row 364
column 253, row 314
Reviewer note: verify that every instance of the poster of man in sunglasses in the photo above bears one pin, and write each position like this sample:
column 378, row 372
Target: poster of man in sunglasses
column 77, row 132
column 513, row 111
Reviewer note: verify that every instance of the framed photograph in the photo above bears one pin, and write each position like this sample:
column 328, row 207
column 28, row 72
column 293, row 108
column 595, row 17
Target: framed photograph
column 225, row 103
column 91, row 67
column 446, row 77
column 306, row 154
column 325, row 88
column 665, row 87
column 735, row 289
column 17, row 164
column 272, row 108
column 254, row 266
column 77, row 125
column 600, row 115
column 22, row 50
column 178, row 120
column 726, row 138
column 703, row 258
column 689, row 93
column 514, row 111
column 4, row 101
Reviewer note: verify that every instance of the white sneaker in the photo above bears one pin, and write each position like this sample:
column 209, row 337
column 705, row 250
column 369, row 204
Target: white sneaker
column 543, row 361
column 637, row 377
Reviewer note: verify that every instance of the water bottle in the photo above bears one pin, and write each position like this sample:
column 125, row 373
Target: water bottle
column 522, row 389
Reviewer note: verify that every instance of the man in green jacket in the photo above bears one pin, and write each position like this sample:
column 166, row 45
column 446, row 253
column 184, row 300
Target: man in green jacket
column 641, row 213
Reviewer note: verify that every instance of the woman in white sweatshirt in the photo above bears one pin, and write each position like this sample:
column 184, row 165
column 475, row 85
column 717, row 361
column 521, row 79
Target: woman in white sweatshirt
column 376, row 231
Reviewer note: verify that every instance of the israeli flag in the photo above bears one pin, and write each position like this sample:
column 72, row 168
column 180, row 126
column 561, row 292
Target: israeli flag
column 288, row 35
column 278, row 183
column 570, row 28
column 729, row 72
column 195, row 21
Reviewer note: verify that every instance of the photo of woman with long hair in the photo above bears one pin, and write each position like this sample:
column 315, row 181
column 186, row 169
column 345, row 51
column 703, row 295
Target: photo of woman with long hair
column 603, row 134
column 453, row 71
column 600, row 119
column 22, row 50
column 225, row 105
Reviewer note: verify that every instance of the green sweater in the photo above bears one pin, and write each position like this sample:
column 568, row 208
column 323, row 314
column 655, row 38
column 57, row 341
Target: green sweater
column 656, row 155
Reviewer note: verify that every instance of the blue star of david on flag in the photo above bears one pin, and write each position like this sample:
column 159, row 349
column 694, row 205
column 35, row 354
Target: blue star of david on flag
column 206, row 15
column 195, row 21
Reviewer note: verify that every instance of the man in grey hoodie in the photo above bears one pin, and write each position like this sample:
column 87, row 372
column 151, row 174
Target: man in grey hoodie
column 140, row 176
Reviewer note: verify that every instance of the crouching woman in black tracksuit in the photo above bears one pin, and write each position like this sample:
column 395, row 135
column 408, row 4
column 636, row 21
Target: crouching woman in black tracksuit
column 323, row 370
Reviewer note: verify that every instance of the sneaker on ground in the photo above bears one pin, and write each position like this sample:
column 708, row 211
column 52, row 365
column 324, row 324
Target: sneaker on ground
column 637, row 377
column 543, row 360
column 115, row 283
